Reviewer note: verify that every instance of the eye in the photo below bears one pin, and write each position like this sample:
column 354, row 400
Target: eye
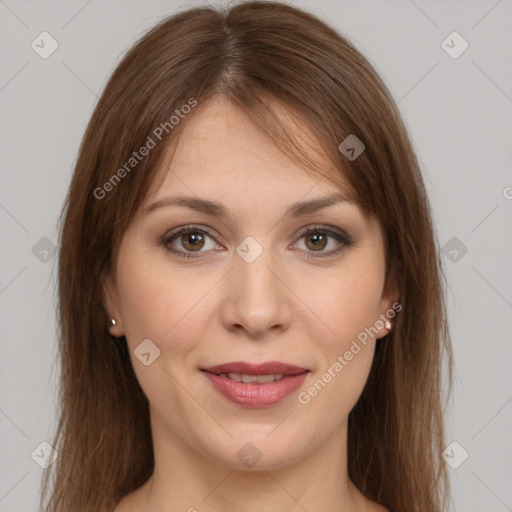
column 193, row 239
column 317, row 239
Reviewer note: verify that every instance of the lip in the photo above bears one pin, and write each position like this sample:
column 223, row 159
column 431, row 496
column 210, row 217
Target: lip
column 255, row 394
column 271, row 367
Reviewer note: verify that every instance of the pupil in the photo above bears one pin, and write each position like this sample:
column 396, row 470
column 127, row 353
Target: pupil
column 317, row 240
column 191, row 239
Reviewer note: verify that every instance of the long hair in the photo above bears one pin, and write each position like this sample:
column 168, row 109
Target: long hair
column 261, row 55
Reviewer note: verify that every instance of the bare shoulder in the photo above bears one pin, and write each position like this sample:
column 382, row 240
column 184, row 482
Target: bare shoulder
column 132, row 503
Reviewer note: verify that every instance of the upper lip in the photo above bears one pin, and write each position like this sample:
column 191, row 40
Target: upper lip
column 268, row 368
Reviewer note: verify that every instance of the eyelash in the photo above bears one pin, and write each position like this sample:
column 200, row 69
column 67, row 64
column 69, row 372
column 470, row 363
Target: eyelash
column 343, row 239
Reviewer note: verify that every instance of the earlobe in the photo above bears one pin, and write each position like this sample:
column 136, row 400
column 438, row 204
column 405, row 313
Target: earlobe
column 111, row 305
column 390, row 303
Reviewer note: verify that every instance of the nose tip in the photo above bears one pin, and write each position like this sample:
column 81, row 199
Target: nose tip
column 255, row 296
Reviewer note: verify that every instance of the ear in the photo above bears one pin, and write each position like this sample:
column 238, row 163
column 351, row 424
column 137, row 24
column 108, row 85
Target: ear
column 390, row 304
column 110, row 299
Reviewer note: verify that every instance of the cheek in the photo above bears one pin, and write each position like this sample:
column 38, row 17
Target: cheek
column 143, row 303
column 333, row 393
column 159, row 303
column 348, row 304
column 345, row 352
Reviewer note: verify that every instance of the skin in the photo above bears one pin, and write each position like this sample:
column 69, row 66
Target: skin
column 218, row 308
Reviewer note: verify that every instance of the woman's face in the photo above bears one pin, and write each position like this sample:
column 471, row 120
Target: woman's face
column 251, row 288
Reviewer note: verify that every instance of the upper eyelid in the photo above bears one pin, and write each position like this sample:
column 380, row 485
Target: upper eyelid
column 304, row 230
column 208, row 230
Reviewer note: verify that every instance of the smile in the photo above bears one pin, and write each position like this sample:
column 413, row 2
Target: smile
column 251, row 385
column 249, row 379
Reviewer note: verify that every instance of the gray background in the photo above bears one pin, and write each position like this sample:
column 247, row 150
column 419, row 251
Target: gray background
column 458, row 111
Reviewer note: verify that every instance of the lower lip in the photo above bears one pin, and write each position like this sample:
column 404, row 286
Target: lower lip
column 254, row 394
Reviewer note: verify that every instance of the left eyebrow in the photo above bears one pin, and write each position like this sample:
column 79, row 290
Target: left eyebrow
column 216, row 209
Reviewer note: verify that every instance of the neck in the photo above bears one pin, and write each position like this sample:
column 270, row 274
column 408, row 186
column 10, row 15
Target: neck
column 184, row 479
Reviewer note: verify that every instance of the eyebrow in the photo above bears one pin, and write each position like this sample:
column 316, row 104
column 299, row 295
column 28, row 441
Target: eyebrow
column 215, row 209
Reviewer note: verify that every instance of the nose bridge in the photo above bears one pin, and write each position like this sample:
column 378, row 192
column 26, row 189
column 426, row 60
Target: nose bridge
column 256, row 297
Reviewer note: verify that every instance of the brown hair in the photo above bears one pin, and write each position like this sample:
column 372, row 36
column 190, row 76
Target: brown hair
column 258, row 54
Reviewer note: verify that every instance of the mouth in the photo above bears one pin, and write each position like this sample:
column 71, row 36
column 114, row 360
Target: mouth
column 251, row 385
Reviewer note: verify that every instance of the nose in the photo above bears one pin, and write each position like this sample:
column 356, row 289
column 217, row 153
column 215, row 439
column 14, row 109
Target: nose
column 256, row 298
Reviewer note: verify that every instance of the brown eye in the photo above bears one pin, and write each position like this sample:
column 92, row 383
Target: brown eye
column 188, row 240
column 192, row 240
column 318, row 240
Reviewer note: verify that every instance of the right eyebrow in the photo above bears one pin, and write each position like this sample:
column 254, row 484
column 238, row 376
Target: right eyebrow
column 215, row 209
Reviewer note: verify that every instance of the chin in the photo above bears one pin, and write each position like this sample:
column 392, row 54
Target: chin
column 257, row 450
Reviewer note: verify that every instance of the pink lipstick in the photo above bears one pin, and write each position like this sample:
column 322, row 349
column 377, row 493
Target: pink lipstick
column 256, row 385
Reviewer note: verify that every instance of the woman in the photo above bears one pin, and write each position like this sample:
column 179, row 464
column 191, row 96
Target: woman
column 251, row 297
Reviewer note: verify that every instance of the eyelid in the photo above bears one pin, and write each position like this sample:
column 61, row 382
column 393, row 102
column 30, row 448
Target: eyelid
column 173, row 233
column 325, row 228
column 333, row 232
column 338, row 234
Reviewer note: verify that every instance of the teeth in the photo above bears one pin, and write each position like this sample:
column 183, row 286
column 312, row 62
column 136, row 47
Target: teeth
column 248, row 379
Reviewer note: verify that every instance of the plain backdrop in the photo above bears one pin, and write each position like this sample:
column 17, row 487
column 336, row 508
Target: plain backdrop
column 457, row 107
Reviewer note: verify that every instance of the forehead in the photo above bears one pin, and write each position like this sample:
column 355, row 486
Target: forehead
column 221, row 149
